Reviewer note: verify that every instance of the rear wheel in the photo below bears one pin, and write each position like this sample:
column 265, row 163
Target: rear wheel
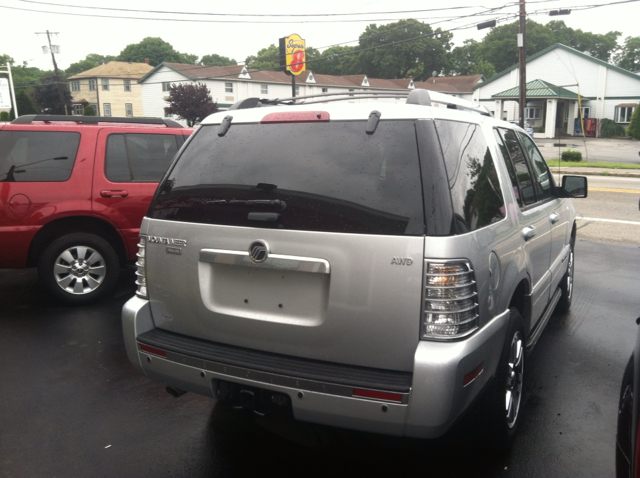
column 79, row 268
column 504, row 397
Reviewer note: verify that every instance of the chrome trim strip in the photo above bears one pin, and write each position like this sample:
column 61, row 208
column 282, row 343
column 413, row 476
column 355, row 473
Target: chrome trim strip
column 274, row 261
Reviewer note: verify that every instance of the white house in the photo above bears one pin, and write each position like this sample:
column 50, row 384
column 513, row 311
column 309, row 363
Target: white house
column 229, row 84
column 560, row 82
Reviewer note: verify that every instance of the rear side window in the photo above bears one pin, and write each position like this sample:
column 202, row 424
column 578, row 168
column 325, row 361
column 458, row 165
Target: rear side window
column 543, row 179
column 139, row 157
column 523, row 176
column 473, row 180
column 32, row 156
column 329, row 177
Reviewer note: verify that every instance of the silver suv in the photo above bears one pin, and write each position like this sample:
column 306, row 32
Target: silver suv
column 372, row 266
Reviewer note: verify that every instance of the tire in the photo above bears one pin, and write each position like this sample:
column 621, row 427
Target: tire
column 78, row 268
column 566, row 284
column 504, row 397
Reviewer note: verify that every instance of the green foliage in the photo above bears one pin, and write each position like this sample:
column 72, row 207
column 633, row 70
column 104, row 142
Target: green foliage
column 192, row 103
column 418, row 58
column 540, row 129
column 25, row 103
column 570, row 155
column 216, row 60
column 629, row 55
column 337, row 60
column 634, row 127
column 464, row 60
column 157, row 50
column 88, row 111
column 600, row 46
column 48, row 95
column 267, row 58
column 4, row 116
column 4, row 59
column 611, row 129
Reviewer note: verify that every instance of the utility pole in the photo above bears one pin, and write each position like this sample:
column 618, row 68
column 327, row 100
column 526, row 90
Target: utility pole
column 522, row 62
column 55, row 68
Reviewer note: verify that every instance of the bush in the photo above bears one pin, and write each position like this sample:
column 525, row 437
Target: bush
column 611, row 129
column 89, row 111
column 634, row 126
column 5, row 116
column 570, row 155
column 540, row 129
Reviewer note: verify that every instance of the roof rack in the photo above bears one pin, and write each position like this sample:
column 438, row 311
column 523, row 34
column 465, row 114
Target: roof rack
column 27, row 119
column 416, row 97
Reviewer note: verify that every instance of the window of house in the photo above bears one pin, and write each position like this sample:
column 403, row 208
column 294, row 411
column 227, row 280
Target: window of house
column 75, row 85
column 351, row 90
column 95, row 107
column 325, row 90
column 128, row 107
column 586, row 112
column 228, row 87
column 105, row 84
column 107, row 109
column 92, row 85
column 167, row 114
column 533, row 112
column 78, row 109
column 264, row 89
column 297, row 91
column 624, row 112
column 127, row 85
column 166, row 86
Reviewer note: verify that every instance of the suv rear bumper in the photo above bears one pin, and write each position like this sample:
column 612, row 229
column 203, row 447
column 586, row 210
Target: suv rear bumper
column 427, row 409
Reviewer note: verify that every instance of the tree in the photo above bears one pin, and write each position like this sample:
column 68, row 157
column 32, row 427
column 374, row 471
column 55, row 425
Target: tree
column 91, row 61
column 216, row 60
column 156, row 50
column 416, row 57
column 337, row 60
column 88, row 111
column 464, row 60
column 267, row 58
column 47, row 95
column 629, row 55
column 600, row 46
column 4, row 59
column 634, row 127
column 25, row 104
column 192, row 103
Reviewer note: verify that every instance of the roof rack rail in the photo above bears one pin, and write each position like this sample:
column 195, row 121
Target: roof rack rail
column 416, row 97
column 27, row 119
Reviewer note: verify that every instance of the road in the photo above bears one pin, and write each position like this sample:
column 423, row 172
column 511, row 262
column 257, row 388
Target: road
column 611, row 211
column 608, row 150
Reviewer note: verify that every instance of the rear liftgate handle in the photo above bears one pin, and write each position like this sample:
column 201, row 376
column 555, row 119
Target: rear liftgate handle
column 528, row 232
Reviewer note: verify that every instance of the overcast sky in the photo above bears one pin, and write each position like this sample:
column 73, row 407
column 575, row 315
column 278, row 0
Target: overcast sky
column 88, row 31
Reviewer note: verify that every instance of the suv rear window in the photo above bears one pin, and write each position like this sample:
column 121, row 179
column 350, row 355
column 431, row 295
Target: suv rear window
column 306, row 176
column 30, row 156
column 139, row 157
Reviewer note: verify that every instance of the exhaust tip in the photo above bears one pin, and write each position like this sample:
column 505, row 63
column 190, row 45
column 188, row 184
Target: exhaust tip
column 175, row 392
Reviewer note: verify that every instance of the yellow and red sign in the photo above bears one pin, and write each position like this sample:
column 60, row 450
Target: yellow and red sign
column 292, row 54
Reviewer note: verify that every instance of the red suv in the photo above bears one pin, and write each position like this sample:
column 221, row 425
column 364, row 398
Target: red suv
column 73, row 191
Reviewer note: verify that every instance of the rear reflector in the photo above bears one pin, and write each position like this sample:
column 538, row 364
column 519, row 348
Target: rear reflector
column 390, row 397
column 471, row 376
column 296, row 117
column 152, row 350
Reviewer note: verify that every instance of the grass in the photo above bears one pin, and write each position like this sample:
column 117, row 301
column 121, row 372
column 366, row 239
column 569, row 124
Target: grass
column 555, row 163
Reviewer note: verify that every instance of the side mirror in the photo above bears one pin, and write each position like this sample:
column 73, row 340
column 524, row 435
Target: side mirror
column 574, row 186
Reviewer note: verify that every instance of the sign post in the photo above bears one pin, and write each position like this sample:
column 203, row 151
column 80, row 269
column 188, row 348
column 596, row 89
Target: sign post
column 292, row 58
column 6, row 89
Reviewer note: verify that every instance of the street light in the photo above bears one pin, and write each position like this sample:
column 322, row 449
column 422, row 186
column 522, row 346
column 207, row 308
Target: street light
column 564, row 11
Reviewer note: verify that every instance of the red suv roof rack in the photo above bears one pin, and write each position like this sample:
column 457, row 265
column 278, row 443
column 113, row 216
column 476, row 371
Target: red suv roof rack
column 27, row 119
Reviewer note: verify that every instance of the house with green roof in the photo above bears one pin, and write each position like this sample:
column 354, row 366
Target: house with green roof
column 565, row 88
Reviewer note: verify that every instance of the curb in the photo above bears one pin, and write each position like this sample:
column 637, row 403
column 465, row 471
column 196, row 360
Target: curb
column 604, row 172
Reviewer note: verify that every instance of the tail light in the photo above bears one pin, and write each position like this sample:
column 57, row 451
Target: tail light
column 141, row 269
column 451, row 301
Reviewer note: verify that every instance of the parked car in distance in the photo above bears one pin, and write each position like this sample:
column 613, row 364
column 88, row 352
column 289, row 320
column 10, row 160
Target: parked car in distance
column 73, row 191
column 627, row 439
column 368, row 265
column 527, row 126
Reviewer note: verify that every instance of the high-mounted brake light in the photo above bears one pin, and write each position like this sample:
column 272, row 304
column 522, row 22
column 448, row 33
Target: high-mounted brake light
column 296, row 117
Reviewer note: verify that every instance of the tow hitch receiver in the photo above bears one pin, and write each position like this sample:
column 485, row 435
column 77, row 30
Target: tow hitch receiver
column 251, row 398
